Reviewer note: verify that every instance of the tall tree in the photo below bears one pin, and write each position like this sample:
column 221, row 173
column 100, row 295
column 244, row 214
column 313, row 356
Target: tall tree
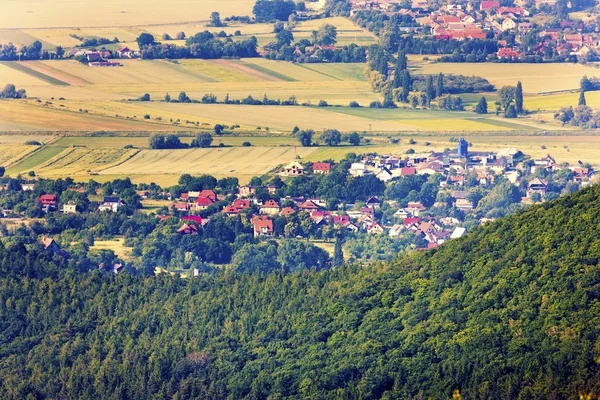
column 582, row 101
column 439, row 91
column 338, row 252
column 400, row 66
column 430, row 89
column 519, row 98
column 481, row 106
column 406, row 86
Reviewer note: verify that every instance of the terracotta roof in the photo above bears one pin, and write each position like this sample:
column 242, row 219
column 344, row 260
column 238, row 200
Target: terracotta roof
column 261, row 224
column 319, row 166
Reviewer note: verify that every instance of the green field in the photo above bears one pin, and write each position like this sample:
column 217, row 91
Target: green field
column 35, row 160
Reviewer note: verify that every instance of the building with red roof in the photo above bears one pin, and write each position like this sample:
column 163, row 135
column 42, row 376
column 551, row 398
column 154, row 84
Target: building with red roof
column 321, row 168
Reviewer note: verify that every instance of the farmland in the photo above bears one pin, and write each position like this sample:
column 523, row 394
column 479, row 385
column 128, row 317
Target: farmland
column 536, row 78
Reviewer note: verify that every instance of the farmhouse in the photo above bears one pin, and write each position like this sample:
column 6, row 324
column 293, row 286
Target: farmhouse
column 321, row 168
column 271, row 207
column 50, row 245
column 70, row 208
column 48, row 202
column 187, row 229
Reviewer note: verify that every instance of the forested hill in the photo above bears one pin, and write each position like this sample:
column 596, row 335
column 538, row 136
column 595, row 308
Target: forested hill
column 509, row 311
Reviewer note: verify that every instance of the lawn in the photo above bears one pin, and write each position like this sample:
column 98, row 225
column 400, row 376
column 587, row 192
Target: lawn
column 536, row 78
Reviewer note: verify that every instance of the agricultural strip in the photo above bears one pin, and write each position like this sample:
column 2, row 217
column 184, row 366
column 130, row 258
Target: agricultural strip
column 231, row 161
column 18, row 77
column 292, row 71
column 217, row 71
column 56, row 73
column 30, row 163
column 244, row 69
column 20, row 66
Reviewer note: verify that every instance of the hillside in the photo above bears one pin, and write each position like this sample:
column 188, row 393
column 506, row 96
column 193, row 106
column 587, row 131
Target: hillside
column 511, row 310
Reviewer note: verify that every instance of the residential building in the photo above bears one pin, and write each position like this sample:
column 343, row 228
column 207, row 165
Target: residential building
column 321, row 168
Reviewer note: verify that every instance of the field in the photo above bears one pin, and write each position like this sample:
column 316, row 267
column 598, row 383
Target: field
column 67, row 13
column 116, row 245
column 536, row 78
column 556, row 101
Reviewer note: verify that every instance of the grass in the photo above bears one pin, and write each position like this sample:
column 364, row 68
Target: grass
column 116, row 245
column 337, row 71
column 20, row 66
column 556, row 101
column 29, row 164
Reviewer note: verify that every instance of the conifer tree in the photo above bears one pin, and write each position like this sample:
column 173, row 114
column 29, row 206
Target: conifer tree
column 440, row 86
column 582, row 101
column 481, row 106
column 430, row 89
column 519, row 98
column 338, row 253
column 406, row 84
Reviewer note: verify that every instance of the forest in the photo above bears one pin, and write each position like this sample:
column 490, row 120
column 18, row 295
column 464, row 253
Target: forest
column 510, row 310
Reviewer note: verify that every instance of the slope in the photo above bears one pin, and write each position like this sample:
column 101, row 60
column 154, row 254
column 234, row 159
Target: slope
column 511, row 310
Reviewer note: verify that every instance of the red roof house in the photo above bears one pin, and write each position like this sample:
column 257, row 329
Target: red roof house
column 321, row 168
column 48, row 199
column 263, row 227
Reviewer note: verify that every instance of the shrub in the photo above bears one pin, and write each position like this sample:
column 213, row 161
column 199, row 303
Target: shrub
column 410, row 151
column 322, row 103
column 354, row 104
column 246, row 144
column 147, row 116
column 33, row 143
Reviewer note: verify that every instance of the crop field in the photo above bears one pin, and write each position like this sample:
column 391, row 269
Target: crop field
column 556, row 101
column 9, row 153
column 536, row 78
column 143, row 142
column 232, row 161
column 39, row 158
column 67, row 13
column 19, row 116
column 78, row 161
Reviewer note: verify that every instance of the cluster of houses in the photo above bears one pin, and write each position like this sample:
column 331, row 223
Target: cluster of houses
column 453, row 165
column 103, row 57
column 461, row 20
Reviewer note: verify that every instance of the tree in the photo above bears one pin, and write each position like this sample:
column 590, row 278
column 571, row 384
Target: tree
column 582, row 101
column 183, row 97
column 2, row 170
column 218, row 129
column 338, row 252
column 284, row 37
column 271, row 10
column 519, row 98
column 9, row 92
column 481, row 107
column 430, row 89
column 388, row 100
column 215, row 19
column 331, row 137
column 326, row 35
column 60, row 52
column 507, row 95
column 203, row 140
column 354, row 139
column 511, row 112
column 172, row 142
column 145, row 39
column 157, row 141
column 439, row 91
column 167, row 97
column 305, row 137
column 406, row 86
column 414, row 101
column 180, row 36
column 145, row 97
column 400, row 66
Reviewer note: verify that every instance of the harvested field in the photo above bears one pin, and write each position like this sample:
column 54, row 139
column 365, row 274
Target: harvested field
column 52, row 71
column 18, row 77
column 24, row 67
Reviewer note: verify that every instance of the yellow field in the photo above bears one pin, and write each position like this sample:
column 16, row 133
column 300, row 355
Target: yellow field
column 116, row 245
column 556, row 101
column 78, row 161
column 9, row 153
column 536, row 78
column 17, row 78
column 453, row 125
column 232, row 161
column 90, row 13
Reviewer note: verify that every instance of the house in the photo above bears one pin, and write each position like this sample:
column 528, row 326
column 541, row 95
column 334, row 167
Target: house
column 202, row 202
column 49, row 202
column 396, row 230
column 537, row 185
column 508, row 24
column 27, row 186
column 125, row 52
column 320, row 217
column 293, row 169
column 488, row 5
column 263, row 227
column 70, row 208
column 50, row 245
column 111, row 204
column 407, row 171
column 321, row 168
column 309, row 206
column 340, row 219
column 415, row 208
column 287, row 211
column 373, row 202
column 247, row 190
column 187, row 229
column 375, row 229
column 507, row 53
column 208, row 194
column 402, row 213
column 270, row 207
column 181, row 207
column 458, row 232
column 384, row 174
column 194, row 218
column 463, row 204
column 237, row 206
column 367, row 211
column 358, row 169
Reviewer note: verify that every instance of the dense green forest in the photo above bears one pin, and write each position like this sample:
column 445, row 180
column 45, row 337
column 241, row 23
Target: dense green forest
column 511, row 310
